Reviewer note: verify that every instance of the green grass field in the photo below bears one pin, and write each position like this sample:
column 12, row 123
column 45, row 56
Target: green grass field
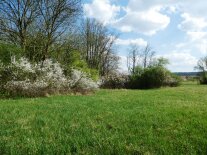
column 159, row 121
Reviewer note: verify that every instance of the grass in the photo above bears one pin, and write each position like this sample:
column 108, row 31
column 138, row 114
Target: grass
column 160, row 121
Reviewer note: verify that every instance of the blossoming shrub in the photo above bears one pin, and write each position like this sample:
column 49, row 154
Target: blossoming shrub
column 117, row 81
column 21, row 78
column 79, row 80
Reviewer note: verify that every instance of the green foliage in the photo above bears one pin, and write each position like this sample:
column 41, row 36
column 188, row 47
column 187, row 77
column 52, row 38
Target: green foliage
column 73, row 59
column 161, row 121
column 7, row 51
column 152, row 77
column 203, row 78
column 202, row 68
column 161, row 62
column 35, row 47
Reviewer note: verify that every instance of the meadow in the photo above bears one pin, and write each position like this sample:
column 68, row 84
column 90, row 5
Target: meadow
column 157, row 121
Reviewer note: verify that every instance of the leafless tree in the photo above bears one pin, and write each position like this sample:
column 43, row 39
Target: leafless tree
column 202, row 65
column 133, row 58
column 56, row 17
column 16, row 17
column 37, row 22
column 137, row 56
column 97, row 45
column 148, row 55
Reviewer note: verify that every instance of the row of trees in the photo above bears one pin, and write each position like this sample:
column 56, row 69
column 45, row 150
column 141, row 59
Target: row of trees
column 45, row 30
column 140, row 57
column 51, row 29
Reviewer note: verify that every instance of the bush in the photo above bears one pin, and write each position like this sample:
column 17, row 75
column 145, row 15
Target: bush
column 152, row 77
column 172, row 80
column 203, row 78
column 80, row 80
column 115, row 82
column 73, row 59
column 21, row 78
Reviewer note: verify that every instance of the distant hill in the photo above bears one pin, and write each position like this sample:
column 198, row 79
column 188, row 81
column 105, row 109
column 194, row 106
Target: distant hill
column 187, row 73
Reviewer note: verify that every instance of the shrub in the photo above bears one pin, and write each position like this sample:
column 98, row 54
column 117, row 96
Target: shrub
column 172, row 80
column 21, row 78
column 80, row 80
column 203, row 78
column 115, row 82
column 152, row 77
column 73, row 59
column 134, row 79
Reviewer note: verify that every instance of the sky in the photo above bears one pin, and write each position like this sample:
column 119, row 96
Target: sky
column 175, row 29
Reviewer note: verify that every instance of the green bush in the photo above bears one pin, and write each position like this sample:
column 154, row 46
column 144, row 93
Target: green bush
column 7, row 51
column 73, row 60
column 203, row 78
column 152, row 77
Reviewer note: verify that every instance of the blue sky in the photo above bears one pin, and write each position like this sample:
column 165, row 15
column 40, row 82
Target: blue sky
column 175, row 29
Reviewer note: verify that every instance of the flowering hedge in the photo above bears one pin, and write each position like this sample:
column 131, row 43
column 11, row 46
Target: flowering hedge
column 22, row 78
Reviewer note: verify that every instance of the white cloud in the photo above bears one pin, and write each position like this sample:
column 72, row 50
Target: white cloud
column 181, row 61
column 195, row 29
column 123, row 64
column 127, row 42
column 101, row 10
column 195, row 36
column 193, row 24
column 146, row 22
column 192, row 7
column 149, row 17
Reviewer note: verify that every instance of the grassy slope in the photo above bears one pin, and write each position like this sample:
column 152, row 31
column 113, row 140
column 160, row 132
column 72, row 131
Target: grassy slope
column 162, row 121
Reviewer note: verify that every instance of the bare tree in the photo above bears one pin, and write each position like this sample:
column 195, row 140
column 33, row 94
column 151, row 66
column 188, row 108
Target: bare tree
column 97, row 44
column 133, row 58
column 16, row 17
column 142, row 57
column 147, row 55
column 56, row 16
column 110, row 64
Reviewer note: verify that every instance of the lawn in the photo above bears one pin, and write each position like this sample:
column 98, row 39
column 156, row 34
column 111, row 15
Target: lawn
column 159, row 121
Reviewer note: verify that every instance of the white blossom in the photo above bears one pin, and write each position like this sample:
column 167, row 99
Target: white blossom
column 32, row 79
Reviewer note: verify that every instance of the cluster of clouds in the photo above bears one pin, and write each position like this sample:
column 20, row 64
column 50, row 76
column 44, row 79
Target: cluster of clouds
column 148, row 18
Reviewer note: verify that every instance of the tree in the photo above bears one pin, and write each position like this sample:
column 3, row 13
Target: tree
column 202, row 68
column 97, row 45
column 110, row 64
column 140, row 57
column 37, row 24
column 202, row 64
column 147, row 56
column 56, row 17
column 16, row 17
column 133, row 58
column 160, row 62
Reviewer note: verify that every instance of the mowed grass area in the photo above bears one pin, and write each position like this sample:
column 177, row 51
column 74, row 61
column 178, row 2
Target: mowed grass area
column 159, row 121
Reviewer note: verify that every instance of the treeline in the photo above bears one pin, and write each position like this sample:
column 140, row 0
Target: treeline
column 48, row 47
column 41, row 29
column 146, row 71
